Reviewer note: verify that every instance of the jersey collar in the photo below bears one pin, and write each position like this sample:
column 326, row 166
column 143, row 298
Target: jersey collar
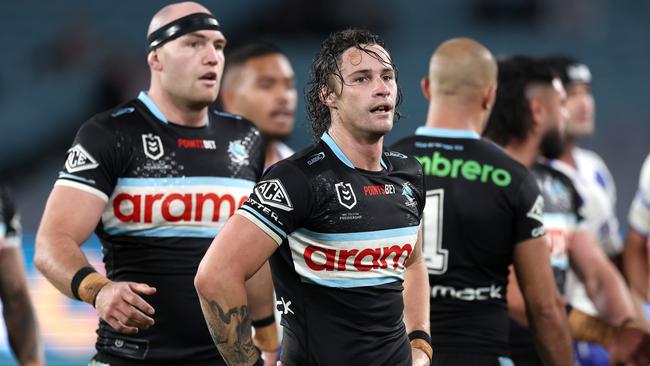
column 153, row 108
column 329, row 141
column 445, row 132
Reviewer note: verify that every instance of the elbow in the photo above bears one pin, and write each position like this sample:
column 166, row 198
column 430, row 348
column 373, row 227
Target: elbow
column 208, row 281
column 40, row 258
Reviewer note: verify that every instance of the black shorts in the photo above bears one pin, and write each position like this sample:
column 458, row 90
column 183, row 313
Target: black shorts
column 468, row 359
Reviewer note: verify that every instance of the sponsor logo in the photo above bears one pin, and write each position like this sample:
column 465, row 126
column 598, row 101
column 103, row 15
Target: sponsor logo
column 408, row 193
column 153, row 147
column 467, row 294
column 122, row 111
column 173, row 207
column 345, row 195
column 272, row 193
column 537, row 210
column 237, row 152
column 557, row 241
column 197, row 144
column 394, row 154
column 267, row 211
column 367, row 259
column 379, row 190
column 79, row 159
column 438, row 166
column 283, row 306
column 316, row 158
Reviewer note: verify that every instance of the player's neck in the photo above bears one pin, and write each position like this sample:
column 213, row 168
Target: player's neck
column 525, row 152
column 455, row 117
column 567, row 155
column 272, row 155
column 364, row 153
column 177, row 112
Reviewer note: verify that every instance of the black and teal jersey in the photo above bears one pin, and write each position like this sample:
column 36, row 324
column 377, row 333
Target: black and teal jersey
column 480, row 204
column 344, row 238
column 10, row 234
column 168, row 190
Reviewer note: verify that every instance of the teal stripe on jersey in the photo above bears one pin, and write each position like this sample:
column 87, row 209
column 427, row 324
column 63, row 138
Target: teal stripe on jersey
column 185, row 181
column 339, row 153
column 268, row 223
column 445, row 132
column 357, row 236
column 164, row 232
column 350, row 283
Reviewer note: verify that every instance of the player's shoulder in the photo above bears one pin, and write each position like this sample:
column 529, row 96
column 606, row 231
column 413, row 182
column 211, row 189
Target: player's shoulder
column 108, row 121
column 588, row 157
column 223, row 119
column 306, row 162
column 402, row 161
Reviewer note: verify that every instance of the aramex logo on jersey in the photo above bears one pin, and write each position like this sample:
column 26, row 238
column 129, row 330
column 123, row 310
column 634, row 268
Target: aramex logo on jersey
column 272, row 193
column 153, row 147
column 79, row 159
column 345, row 195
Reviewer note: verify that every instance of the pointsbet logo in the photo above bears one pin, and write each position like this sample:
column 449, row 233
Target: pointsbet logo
column 439, row 166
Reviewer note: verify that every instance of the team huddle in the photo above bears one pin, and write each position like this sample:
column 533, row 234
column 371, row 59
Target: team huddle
column 484, row 238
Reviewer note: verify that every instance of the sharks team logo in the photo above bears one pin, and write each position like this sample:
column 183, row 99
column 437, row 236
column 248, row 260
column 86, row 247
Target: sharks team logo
column 153, row 147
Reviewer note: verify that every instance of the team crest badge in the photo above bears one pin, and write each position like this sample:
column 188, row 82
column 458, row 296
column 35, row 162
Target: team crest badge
column 79, row 159
column 272, row 193
column 153, row 147
column 345, row 195
column 237, row 152
column 408, row 193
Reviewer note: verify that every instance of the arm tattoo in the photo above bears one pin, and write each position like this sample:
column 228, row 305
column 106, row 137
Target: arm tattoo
column 231, row 332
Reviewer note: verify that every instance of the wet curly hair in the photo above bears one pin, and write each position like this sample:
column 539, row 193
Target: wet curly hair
column 325, row 69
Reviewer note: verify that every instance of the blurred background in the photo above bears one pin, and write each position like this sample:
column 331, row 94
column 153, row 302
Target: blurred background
column 64, row 61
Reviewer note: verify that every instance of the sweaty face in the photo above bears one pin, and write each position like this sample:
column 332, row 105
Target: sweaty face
column 265, row 93
column 365, row 103
column 552, row 144
column 192, row 66
column 580, row 105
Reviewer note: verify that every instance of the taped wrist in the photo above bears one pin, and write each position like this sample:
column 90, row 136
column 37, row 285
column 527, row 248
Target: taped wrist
column 266, row 334
column 588, row 328
column 422, row 341
column 86, row 284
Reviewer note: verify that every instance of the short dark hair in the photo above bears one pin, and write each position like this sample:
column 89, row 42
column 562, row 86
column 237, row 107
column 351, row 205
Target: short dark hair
column 249, row 50
column 326, row 67
column 568, row 69
column 511, row 118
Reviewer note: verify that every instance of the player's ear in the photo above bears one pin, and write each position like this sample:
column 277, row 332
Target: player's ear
column 424, row 85
column 327, row 97
column 488, row 97
column 154, row 61
column 536, row 110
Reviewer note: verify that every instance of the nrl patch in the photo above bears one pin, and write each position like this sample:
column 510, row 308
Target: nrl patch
column 79, row 159
column 272, row 193
column 153, row 147
column 345, row 195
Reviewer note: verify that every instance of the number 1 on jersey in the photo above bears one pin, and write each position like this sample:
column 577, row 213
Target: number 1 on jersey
column 435, row 256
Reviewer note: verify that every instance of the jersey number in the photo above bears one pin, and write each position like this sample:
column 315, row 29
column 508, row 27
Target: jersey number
column 436, row 258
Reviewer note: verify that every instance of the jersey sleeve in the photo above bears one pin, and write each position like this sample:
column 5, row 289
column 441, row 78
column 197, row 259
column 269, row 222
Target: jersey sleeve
column 529, row 211
column 639, row 214
column 91, row 163
column 9, row 222
column 280, row 202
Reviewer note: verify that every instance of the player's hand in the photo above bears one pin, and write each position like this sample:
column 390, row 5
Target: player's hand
column 270, row 358
column 630, row 346
column 419, row 357
column 121, row 305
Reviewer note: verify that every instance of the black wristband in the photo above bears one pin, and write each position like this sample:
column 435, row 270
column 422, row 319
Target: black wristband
column 421, row 335
column 77, row 278
column 264, row 322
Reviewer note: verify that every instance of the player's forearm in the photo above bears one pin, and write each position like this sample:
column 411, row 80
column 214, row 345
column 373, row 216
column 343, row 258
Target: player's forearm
column 22, row 329
column 610, row 294
column 228, row 318
column 259, row 291
column 548, row 322
column 635, row 264
column 416, row 298
column 58, row 258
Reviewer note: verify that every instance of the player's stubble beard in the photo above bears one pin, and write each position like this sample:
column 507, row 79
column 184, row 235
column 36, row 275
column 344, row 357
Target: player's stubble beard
column 552, row 144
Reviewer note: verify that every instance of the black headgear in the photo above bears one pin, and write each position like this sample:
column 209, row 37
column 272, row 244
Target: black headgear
column 181, row 26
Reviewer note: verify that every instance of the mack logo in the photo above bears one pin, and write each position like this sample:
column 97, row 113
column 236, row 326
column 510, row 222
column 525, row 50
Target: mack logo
column 467, row 294
column 345, row 195
column 316, row 158
column 153, row 147
column 439, row 166
column 79, row 159
column 272, row 193
column 537, row 211
column 172, row 207
column 324, row 259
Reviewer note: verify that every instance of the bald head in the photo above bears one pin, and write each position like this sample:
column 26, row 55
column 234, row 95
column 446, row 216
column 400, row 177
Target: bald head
column 175, row 11
column 461, row 67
